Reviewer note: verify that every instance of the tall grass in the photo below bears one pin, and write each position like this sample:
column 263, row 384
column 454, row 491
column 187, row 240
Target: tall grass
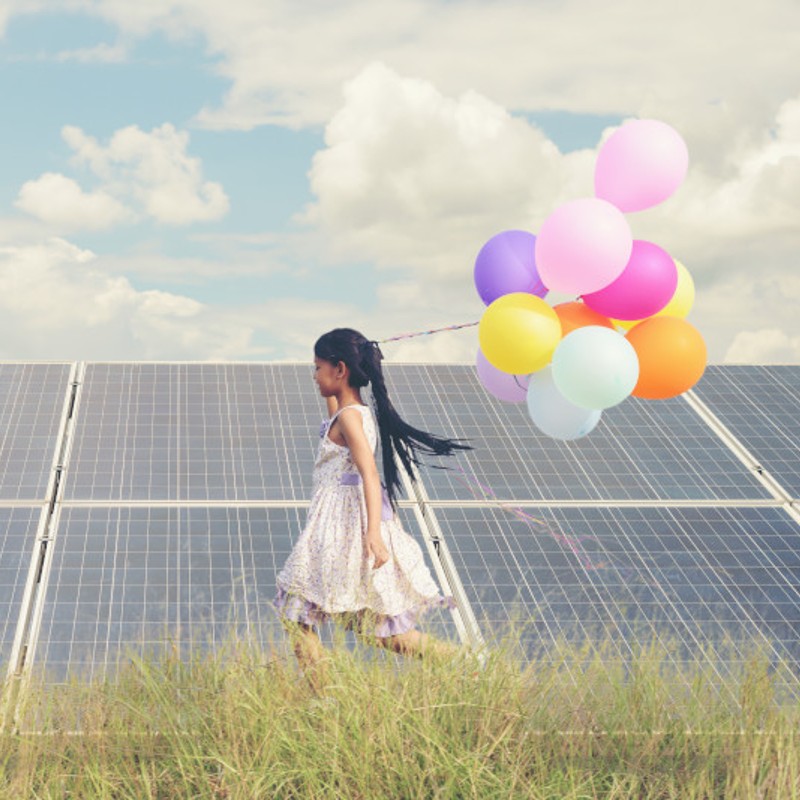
column 241, row 722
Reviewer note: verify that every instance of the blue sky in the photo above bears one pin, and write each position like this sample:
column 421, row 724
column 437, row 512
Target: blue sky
column 262, row 170
column 195, row 181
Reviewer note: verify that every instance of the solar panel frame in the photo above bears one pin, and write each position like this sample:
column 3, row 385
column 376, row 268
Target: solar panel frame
column 193, row 555
column 578, row 567
column 219, row 432
column 761, row 407
column 619, row 461
column 18, row 530
column 32, row 399
column 202, row 462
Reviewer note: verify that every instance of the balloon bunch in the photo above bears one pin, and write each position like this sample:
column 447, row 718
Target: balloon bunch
column 626, row 333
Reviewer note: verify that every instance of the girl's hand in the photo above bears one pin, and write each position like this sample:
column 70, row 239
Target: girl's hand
column 377, row 548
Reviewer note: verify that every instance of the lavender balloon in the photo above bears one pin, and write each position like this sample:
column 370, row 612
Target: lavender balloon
column 502, row 385
column 505, row 264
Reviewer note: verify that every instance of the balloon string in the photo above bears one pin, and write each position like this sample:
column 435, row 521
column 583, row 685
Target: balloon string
column 439, row 330
column 569, row 542
column 426, row 333
column 572, row 543
column 435, row 330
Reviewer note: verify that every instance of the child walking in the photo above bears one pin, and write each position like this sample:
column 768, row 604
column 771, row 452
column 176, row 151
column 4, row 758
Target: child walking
column 353, row 562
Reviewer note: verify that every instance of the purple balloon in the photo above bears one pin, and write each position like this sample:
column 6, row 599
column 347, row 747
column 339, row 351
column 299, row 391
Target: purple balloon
column 502, row 385
column 645, row 286
column 505, row 264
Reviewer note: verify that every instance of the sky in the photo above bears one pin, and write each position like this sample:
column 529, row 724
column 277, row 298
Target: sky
column 206, row 181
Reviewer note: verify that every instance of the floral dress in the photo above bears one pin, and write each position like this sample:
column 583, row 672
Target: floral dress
column 328, row 574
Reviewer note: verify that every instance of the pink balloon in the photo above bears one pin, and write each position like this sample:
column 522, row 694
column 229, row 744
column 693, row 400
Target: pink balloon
column 502, row 385
column 645, row 286
column 583, row 246
column 640, row 165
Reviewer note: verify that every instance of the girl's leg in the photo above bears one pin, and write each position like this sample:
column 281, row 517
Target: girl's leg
column 310, row 653
column 416, row 644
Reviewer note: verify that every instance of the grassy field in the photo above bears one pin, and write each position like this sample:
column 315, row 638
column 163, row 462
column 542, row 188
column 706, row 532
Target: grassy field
column 242, row 723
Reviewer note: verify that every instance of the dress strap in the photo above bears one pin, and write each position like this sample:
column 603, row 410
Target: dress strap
column 352, row 405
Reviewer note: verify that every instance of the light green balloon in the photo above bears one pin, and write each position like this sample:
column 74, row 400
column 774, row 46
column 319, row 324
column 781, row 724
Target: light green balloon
column 595, row 367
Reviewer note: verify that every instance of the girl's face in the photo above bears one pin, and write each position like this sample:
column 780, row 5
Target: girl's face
column 328, row 377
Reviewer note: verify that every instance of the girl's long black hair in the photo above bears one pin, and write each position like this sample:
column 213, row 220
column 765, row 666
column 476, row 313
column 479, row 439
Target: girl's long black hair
column 363, row 357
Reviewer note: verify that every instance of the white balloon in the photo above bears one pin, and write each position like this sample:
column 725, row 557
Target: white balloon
column 552, row 413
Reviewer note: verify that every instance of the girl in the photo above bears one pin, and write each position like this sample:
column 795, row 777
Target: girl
column 353, row 562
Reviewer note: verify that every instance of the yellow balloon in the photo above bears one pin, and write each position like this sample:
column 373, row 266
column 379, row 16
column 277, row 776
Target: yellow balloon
column 683, row 299
column 679, row 306
column 518, row 333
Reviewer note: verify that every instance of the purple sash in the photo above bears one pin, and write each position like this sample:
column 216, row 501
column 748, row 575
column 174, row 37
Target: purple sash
column 354, row 479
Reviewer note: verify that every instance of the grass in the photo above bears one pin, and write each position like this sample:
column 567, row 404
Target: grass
column 241, row 723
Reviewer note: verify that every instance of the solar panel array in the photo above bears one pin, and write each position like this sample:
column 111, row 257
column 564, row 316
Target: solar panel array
column 184, row 486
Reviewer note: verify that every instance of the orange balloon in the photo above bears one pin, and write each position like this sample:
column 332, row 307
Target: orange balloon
column 578, row 315
column 672, row 357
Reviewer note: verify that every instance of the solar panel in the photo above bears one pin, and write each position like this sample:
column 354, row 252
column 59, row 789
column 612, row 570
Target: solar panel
column 17, row 535
column 691, row 575
column 761, row 407
column 32, row 400
column 206, row 432
column 641, row 450
column 137, row 575
column 163, row 434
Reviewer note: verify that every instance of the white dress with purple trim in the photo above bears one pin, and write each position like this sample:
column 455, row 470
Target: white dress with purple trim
column 328, row 574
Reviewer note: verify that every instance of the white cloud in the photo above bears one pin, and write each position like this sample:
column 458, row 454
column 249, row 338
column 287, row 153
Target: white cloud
column 686, row 61
column 150, row 172
column 415, row 181
column 102, row 53
column 758, row 196
column 411, row 177
column 419, row 187
column 57, row 302
column 61, row 203
column 766, row 346
column 155, row 169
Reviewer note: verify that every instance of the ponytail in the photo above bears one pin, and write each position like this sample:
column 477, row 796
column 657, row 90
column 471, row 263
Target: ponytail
column 363, row 358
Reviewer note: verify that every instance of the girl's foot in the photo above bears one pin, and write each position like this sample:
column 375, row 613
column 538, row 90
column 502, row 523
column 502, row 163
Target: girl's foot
column 472, row 658
column 322, row 704
column 325, row 701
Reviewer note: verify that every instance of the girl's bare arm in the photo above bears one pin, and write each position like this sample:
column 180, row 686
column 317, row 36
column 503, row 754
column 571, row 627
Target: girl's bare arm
column 353, row 433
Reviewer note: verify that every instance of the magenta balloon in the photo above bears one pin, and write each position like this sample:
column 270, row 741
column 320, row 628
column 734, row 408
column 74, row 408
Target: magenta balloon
column 505, row 264
column 640, row 165
column 583, row 246
column 645, row 286
column 502, row 385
